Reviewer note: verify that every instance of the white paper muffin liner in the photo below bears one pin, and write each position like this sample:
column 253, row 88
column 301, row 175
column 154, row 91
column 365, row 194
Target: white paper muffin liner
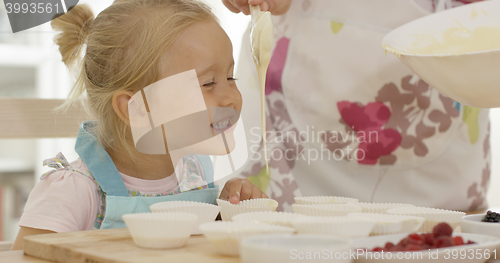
column 344, row 226
column 160, row 230
column 385, row 224
column 326, row 209
column 379, row 208
column 433, row 216
column 273, row 218
column 311, row 200
column 408, row 223
column 206, row 212
column 259, row 202
column 226, row 236
column 228, row 210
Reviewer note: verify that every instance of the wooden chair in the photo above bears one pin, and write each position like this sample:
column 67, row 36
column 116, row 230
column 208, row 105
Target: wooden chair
column 6, row 245
column 36, row 118
column 22, row 118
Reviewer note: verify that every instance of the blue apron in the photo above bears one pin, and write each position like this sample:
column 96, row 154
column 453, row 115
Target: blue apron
column 117, row 200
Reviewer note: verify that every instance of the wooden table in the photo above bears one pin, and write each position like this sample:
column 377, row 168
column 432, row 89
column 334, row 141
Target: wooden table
column 19, row 257
column 113, row 241
column 108, row 246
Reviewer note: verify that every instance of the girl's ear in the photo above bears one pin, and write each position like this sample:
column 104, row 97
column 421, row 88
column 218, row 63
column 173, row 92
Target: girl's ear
column 120, row 104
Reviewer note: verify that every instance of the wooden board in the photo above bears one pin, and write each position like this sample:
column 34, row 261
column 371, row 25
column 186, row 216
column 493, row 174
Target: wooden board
column 19, row 257
column 115, row 245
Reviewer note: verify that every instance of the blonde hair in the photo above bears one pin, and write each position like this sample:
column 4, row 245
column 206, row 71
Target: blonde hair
column 124, row 45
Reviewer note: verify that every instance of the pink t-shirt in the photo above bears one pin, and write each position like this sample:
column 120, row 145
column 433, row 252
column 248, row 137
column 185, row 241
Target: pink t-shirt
column 69, row 201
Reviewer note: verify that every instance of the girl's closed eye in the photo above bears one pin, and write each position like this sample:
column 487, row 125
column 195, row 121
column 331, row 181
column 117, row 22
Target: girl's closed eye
column 211, row 84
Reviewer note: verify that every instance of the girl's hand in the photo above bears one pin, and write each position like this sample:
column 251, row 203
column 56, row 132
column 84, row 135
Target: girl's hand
column 237, row 189
column 276, row 7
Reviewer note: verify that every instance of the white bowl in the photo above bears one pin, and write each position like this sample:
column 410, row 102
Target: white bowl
column 225, row 236
column 288, row 249
column 206, row 212
column 470, row 78
column 474, row 253
column 473, row 224
column 160, row 230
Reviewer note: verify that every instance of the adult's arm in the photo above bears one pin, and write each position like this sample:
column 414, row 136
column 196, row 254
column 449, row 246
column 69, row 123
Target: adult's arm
column 276, row 7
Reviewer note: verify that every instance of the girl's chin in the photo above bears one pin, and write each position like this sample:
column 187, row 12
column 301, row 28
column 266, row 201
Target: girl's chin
column 221, row 149
column 230, row 130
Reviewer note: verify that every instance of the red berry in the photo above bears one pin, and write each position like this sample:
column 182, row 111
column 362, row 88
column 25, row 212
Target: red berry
column 394, row 248
column 429, row 239
column 398, row 248
column 442, row 229
column 403, row 242
column 414, row 248
column 458, row 240
column 389, row 245
column 377, row 249
column 426, row 246
column 416, row 237
column 443, row 241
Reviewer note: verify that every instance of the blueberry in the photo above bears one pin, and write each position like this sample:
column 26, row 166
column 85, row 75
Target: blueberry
column 491, row 216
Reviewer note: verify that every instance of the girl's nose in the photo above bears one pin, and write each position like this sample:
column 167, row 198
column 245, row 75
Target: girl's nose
column 229, row 95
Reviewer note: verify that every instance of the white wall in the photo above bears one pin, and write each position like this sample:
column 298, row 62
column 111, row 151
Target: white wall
column 234, row 25
column 493, row 196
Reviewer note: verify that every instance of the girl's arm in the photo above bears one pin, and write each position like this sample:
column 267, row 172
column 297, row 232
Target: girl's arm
column 27, row 231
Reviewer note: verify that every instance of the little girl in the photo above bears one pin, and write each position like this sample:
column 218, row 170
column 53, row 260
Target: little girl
column 129, row 46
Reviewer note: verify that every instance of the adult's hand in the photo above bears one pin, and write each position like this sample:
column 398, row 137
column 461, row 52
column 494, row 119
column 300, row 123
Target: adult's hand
column 276, row 7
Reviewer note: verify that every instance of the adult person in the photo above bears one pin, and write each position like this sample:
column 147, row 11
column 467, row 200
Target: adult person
column 345, row 119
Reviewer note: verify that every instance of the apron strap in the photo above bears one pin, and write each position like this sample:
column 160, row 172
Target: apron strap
column 208, row 169
column 99, row 162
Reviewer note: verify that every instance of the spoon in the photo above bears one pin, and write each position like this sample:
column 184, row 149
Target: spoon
column 261, row 43
column 261, row 36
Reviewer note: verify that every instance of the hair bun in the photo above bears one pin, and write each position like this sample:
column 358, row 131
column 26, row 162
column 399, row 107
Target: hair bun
column 74, row 27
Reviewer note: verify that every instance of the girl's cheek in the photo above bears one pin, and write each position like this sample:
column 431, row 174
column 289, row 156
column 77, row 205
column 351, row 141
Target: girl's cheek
column 240, row 104
column 240, row 100
column 210, row 100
